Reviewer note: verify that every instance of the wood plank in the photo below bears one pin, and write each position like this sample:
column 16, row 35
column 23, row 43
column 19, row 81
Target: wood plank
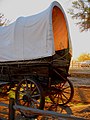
column 48, row 113
column 3, row 104
column 3, row 83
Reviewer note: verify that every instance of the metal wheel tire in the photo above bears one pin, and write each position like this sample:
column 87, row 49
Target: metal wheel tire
column 29, row 93
column 62, row 93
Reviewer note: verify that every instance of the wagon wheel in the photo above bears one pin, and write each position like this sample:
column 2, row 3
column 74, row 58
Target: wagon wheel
column 5, row 88
column 62, row 93
column 29, row 93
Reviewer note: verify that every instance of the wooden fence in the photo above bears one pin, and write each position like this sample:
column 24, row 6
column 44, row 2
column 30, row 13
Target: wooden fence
column 13, row 107
column 75, row 64
column 45, row 113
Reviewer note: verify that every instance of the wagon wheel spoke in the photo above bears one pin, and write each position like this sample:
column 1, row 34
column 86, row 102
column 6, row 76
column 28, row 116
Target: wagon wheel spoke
column 66, row 88
column 35, row 101
column 26, row 84
column 24, row 103
column 32, row 92
column 62, row 84
column 54, row 96
column 62, row 99
column 34, row 96
column 66, row 92
column 23, row 87
column 33, row 105
column 22, row 92
column 61, row 111
column 58, row 98
column 28, row 104
column 20, row 99
column 30, row 86
column 65, row 96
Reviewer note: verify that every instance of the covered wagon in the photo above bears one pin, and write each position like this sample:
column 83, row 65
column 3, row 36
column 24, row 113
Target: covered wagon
column 35, row 53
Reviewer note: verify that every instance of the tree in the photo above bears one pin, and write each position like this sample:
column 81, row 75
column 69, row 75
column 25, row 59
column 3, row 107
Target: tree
column 81, row 11
column 3, row 20
column 84, row 57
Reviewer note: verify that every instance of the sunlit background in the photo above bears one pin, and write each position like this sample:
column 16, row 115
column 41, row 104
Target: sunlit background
column 12, row 9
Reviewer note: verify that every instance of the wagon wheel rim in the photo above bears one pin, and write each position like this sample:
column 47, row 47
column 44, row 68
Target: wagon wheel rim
column 29, row 94
column 62, row 93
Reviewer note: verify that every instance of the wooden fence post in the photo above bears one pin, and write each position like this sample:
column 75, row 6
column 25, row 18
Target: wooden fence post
column 11, row 109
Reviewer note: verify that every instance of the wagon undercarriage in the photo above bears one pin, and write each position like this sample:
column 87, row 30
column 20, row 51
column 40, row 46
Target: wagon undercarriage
column 37, row 80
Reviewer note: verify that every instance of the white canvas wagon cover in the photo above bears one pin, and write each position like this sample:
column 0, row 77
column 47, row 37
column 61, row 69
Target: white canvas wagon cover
column 35, row 36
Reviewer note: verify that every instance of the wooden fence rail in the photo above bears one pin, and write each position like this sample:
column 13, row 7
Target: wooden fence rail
column 13, row 107
column 3, row 104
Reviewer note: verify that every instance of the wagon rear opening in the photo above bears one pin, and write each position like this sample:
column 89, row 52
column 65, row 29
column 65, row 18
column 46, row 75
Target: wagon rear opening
column 60, row 31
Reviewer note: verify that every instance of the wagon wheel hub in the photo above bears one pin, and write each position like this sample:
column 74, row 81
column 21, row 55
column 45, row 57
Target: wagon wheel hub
column 59, row 91
column 26, row 98
column 56, row 90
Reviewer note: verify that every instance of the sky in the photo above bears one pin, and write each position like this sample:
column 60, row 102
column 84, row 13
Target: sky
column 12, row 9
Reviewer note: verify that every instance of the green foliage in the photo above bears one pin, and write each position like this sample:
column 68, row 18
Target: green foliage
column 84, row 57
column 81, row 11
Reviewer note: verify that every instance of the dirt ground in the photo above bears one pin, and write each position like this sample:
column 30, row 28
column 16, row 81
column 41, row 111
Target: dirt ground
column 81, row 100
column 79, row 106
